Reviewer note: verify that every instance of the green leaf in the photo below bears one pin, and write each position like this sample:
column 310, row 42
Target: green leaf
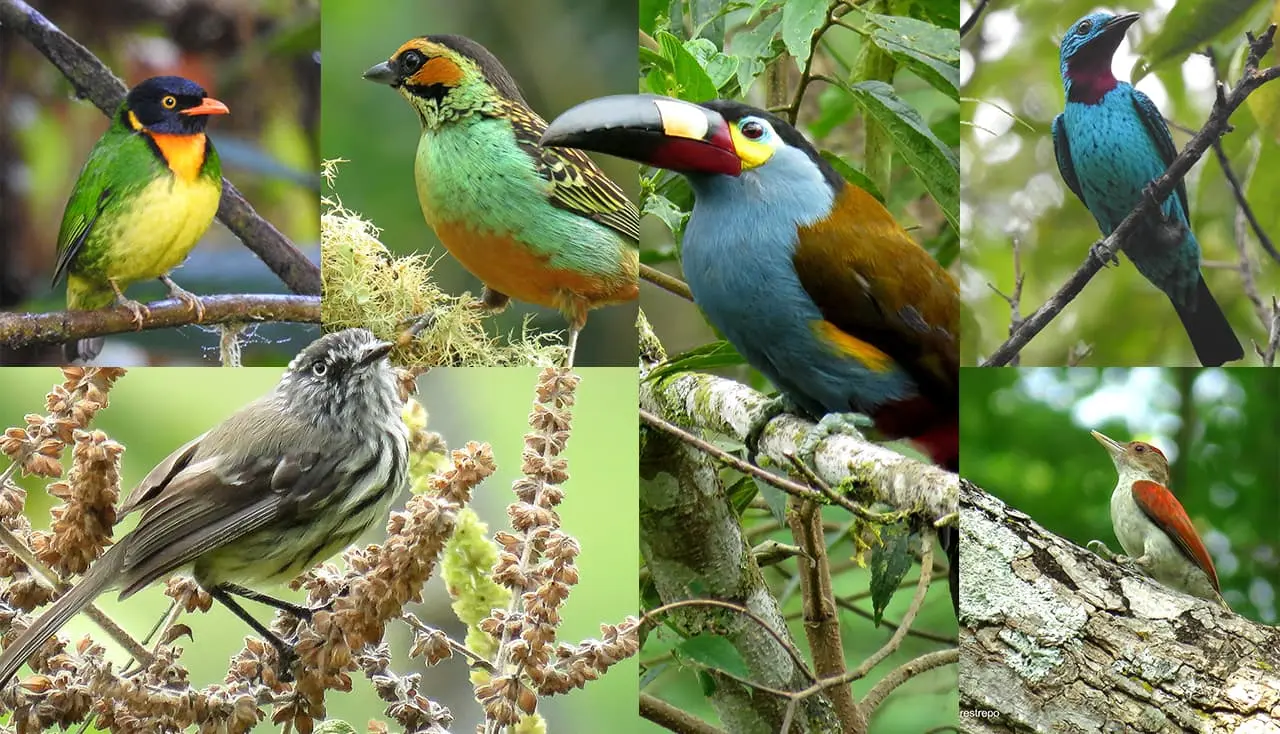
column 662, row 208
column 889, row 564
column 691, row 80
column 775, row 498
column 1189, row 27
column 851, row 174
column 800, row 18
column 930, row 52
column 935, row 164
column 650, row 11
column 706, row 357
column 754, row 47
column 708, row 19
column 719, row 67
column 716, row 652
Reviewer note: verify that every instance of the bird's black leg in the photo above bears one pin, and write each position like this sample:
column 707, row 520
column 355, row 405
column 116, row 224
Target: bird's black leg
column 296, row 610
column 283, row 649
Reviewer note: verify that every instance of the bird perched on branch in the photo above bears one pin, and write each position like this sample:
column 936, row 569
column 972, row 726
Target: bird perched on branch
column 1151, row 525
column 533, row 223
column 1111, row 142
column 806, row 274
column 145, row 196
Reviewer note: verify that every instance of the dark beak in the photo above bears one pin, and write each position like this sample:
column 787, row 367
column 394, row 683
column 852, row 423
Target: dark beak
column 375, row 352
column 1121, row 22
column 383, row 74
column 657, row 131
column 207, row 106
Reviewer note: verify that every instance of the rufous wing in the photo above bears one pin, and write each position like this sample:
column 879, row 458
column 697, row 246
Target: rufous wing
column 1159, row 504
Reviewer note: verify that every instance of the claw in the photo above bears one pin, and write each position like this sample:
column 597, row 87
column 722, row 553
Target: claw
column 492, row 301
column 770, row 410
column 831, row 424
column 187, row 297
column 139, row 311
column 1108, row 259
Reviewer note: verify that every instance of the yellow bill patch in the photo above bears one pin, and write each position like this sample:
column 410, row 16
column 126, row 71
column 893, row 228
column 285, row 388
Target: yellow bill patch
column 682, row 120
column 844, row 343
column 751, row 153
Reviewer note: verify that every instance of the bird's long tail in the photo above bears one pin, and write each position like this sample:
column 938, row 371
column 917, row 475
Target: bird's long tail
column 1211, row 334
column 99, row 578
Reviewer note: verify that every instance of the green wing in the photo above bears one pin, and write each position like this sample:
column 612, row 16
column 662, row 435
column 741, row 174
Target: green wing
column 579, row 186
column 119, row 164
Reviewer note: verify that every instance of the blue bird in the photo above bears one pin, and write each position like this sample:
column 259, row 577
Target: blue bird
column 1111, row 142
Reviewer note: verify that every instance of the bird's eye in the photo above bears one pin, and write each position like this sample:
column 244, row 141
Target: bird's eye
column 753, row 128
column 1084, row 27
column 319, row 369
column 1139, row 448
column 410, row 62
column 169, row 102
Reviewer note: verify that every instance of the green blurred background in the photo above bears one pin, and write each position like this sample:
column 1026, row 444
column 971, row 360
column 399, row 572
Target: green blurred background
column 261, row 59
column 1024, row 437
column 560, row 52
column 153, row 411
column 1012, row 191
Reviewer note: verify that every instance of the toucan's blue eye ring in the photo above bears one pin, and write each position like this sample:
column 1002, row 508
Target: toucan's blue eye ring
column 753, row 128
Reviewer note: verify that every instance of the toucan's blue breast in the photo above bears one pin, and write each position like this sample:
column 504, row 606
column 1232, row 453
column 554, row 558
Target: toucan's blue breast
column 737, row 257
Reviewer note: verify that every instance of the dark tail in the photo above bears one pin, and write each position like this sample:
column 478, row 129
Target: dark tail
column 98, row 580
column 81, row 350
column 1210, row 333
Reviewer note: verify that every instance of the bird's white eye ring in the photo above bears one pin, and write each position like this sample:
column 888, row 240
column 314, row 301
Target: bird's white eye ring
column 319, row 369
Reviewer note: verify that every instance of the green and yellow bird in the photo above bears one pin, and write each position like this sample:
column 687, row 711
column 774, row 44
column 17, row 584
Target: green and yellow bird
column 538, row 224
column 145, row 196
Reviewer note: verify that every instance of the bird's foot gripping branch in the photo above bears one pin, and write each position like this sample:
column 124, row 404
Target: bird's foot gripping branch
column 511, row 607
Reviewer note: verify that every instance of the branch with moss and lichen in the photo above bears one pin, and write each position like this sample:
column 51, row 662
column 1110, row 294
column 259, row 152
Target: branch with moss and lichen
column 507, row 590
column 364, row 285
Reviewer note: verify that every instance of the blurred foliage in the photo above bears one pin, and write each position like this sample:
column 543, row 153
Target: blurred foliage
column 885, row 113
column 889, row 122
column 261, row 59
column 155, row 410
column 1013, row 193
column 1024, row 437
column 559, row 51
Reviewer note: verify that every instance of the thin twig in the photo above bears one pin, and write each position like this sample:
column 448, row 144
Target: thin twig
column 972, row 20
column 50, row 579
column 669, row 283
column 673, row 718
column 1157, row 191
column 19, row 329
column 94, row 81
column 794, row 489
column 917, row 601
column 651, row 616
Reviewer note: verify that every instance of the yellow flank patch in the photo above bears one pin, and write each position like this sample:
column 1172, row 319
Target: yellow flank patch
column 870, row 357
column 184, row 153
column 750, row 152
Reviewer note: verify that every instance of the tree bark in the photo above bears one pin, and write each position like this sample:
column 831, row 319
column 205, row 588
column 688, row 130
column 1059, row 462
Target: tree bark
column 1054, row 638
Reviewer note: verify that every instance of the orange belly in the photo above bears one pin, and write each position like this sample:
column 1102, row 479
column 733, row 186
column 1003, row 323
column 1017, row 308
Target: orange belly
column 506, row 265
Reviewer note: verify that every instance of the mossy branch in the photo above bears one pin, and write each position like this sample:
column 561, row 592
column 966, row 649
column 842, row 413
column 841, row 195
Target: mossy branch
column 95, row 82
column 21, row 329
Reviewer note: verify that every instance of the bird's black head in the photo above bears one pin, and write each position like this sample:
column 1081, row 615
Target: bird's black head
column 169, row 105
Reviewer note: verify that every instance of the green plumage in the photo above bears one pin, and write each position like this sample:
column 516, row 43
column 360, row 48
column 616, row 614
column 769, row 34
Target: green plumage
column 133, row 214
